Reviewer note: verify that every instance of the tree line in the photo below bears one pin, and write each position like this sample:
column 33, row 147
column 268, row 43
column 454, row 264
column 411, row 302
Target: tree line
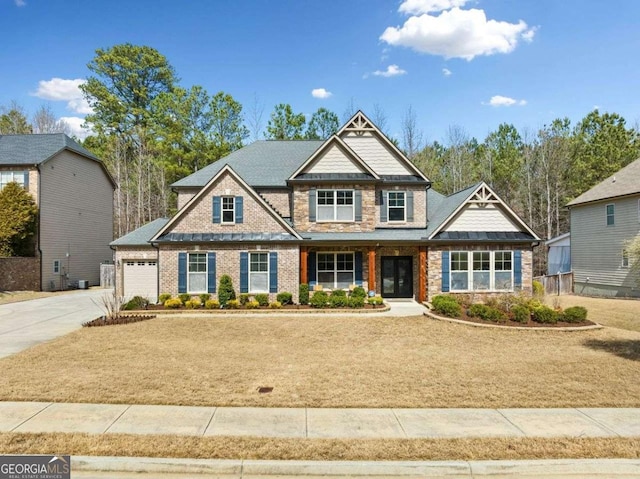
column 150, row 132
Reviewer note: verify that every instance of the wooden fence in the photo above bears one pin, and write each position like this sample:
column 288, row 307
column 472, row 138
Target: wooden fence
column 557, row 284
column 107, row 275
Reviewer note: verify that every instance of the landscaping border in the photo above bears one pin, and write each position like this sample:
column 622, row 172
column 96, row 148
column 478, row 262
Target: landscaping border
column 214, row 312
column 533, row 328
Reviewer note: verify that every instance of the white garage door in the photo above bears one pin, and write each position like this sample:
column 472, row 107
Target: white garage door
column 141, row 279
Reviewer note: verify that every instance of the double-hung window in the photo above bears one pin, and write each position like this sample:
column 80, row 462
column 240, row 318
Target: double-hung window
column 259, row 272
column 625, row 258
column 7, row 177
column 335, row 205
column 228, row 209
column 611, row 215
column 396, row 206
column 335, row 270
column 197, row 273
column 481, row 271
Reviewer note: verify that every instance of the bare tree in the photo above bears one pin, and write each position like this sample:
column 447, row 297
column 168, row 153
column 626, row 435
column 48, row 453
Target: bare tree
column 44, row 121
column 458, row 159
column 379, row 117
column 411, row 135
column 349, row 110
column 254, row 119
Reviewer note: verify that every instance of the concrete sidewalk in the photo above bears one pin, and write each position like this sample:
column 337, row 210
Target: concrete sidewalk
column 317, row 423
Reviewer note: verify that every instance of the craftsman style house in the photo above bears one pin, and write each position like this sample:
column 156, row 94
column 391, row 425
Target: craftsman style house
column 351, row 210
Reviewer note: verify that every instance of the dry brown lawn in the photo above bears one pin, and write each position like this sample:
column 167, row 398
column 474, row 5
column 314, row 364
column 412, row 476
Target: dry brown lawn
column 616, row 313
column 328, row 362
column 319, row 449
column 15, row 297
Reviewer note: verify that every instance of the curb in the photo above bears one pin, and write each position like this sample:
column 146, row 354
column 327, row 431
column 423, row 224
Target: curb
column 570, row 468
column 517, row 328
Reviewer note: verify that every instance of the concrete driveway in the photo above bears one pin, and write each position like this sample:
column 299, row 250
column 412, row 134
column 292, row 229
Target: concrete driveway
column 28, row 323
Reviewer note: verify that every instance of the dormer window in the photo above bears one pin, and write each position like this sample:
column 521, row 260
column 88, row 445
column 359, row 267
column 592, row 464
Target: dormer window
column 396, row 206
column 335, row 205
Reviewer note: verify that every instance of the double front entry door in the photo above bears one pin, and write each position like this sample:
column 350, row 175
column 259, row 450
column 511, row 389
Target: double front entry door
column 397, row 276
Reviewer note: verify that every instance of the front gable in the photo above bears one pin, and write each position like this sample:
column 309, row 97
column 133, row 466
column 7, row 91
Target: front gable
column 227, row 193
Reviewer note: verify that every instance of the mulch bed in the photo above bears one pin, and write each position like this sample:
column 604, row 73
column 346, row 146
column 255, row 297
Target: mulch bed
column 122, row 319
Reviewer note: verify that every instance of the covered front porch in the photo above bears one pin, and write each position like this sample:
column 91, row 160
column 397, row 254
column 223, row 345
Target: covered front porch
column 390, row 270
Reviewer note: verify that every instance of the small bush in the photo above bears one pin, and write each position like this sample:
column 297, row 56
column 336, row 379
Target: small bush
column 486, row 313
column 463, row 299
column 375, row 301
column 356, row 302
column 262, row 299
column 137, row 302
column 233, row 304
column 193, row 303
column 275, row 305
column 172, row 303
column 184, row 297
column 284, row 298
column 204, row 297
column 244, row 298
column 225, row 290
column 521, row 314
column 303, row 293
column 533, row 304
column 492, row 302
column 358, row 292
column 506, row 302
column 446, row 305
column 574, row 314
column 163, row 297
column 538, row 289
column 252, row 304
column 319, row 299
column 338, row 300
column 339, row 293
column 545, row 315
column 212, row 304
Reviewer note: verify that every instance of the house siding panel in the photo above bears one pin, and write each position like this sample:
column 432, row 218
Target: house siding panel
column 475, row 218
column 596, row 249
column 76, row 218
column 379, row 157
column 334, row 160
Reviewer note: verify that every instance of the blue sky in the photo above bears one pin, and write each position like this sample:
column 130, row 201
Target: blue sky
column 456, row 62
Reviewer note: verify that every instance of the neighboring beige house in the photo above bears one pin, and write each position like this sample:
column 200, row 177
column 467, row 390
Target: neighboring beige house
column 603, row 219
column 351, row 210
column 74, row 194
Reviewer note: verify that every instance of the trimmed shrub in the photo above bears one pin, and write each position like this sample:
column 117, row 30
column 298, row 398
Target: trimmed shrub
column 339, row 292
column 338, row 300
column 137, row 302
column 356, row 302
column 375, row 301
column 172, row 303
column 244, row 298
column 575, row 314
column 533, row 304
column 163, row 297
column 545, row 315
column 233, row 304
column 538, row 289
column 262, row 299
column 225, row 290
column 252, row 304
column 486, row 313
column 193, row 303
column 358, row 292
column 212, row 304
column 463, row 299
column 284, row 298
column 319, row 299
column 184, row 297
column 275, row 305
column 446, row 305
column 303, row 293
column 521, row 314
column 204, row 297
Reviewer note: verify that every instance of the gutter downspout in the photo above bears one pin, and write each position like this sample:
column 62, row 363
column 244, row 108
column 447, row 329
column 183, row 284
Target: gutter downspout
column 39, row 221
column 157, row 247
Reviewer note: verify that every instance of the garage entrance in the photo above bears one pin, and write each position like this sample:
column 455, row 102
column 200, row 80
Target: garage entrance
column 140, row 278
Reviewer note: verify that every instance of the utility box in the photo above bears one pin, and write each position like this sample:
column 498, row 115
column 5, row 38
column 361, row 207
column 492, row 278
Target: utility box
column 83, row 284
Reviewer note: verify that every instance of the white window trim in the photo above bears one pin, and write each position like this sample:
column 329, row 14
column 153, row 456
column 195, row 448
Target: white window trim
column 606, row 214
column 492, row 271
column 625, row 254
column 335, row 206
column 268, row 273
column 335, row 267
column 57, row 266
column 404, row 208
column 19, row 173
column 205, row 272
column 232, row 209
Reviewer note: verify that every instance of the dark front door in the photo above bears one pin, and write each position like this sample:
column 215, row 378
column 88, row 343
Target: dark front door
column 397, row 276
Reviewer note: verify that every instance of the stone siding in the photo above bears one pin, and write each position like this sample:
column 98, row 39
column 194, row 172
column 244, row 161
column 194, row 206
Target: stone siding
column 19, row 274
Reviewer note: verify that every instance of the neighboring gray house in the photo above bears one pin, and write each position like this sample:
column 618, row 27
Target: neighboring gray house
column 603, row 219
column 559, row 254
column 74, row 194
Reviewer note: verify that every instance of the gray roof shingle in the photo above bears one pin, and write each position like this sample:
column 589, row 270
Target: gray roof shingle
column 142, row 235
column 440, row 207
column 35, row 149
column 223, row 237
column 624, row 182
column 262, row 163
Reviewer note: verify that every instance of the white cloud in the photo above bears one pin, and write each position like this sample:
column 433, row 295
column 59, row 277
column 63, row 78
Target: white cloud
column 320, row 93
column 60, row 89
column 446, row 72
column 416, row 7
column 458, row 33
column 391, row 71
column 20, row 3
column 499, row 100
column 75, row 126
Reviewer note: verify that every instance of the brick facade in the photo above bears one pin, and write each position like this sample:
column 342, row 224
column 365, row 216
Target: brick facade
column 419, row 207
column 124, row 253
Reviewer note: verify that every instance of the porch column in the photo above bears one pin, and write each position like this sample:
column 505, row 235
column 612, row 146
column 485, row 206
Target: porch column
column 422, row 274
column 372, row 268
column 304, row 255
